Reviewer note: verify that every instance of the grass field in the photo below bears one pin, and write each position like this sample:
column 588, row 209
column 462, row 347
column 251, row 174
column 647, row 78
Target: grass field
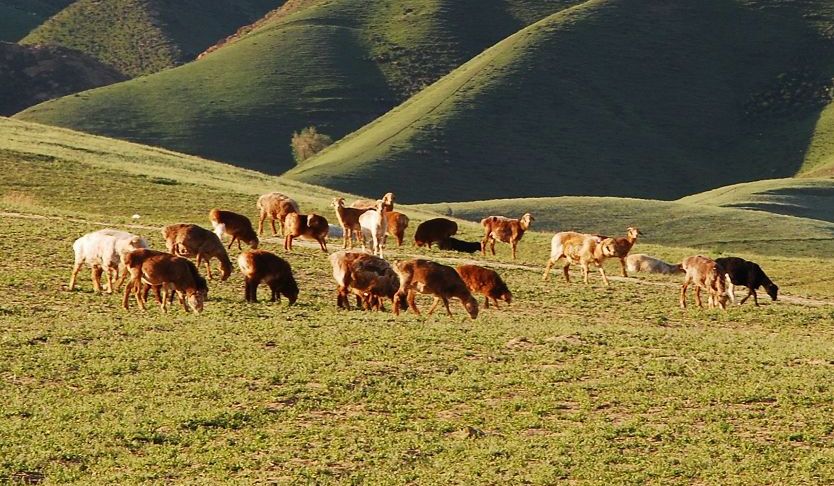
column 572, row 383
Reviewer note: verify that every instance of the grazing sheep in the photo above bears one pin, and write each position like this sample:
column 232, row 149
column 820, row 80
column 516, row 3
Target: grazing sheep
column 748, row 274
column 276, row 206
column 235, row 225
column 370, row 278
column 485, row 281
column 434, row 230
column 704, row 273
column 576, row 248
column 262, row 266
column 374, row 225
column 310, row 226
column 427, row 277
column 102, row 250
column 644, row 263
column 455, row 244
column 348, row 220
column 190, row 240
column 504, row 229
column 397, row 224
column 168, row 272
column 619, row 247
column 387, row 199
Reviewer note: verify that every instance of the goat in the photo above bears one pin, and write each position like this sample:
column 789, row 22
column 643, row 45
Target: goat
column 455, row 244
column 576, row 248
column 433, row 230
column 387, row 199
column 704, row 273
column 190, row 240
column 369, row 277
column 397, row 224
column 427, row 277
column 374, row 226
column 235, row 225
column 348, row 220
column 644, row 263
column 749, row 274
column 504, row 229
column 619, row 247
column 485, row 281
column 262, row 266
column 310, row 226
column 102, row 250
column 276, row 206
column 168, row 272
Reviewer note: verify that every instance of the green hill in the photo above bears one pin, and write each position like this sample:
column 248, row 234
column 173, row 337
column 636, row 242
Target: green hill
column 19, row 17
column 618, row 97
column 336, row 65
column 144, row 36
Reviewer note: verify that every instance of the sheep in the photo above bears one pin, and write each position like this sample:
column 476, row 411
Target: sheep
column 374, row 226
column 235, row 225
column 369, row 277
column 397, row 224
column 190, row 240
column 704, row 273
column 504, row 229
column 102, row 250
column 276, row 206
column 348, row 220
column 619, row 247
column 310, row 226
column 388, row 199
column 427, row 277
column 168, row 272
column 455, row 244
column 262, row 266
column 749, row 274
column 434, row 230
column 485, row 281
column 644, row 263
column 576, row 248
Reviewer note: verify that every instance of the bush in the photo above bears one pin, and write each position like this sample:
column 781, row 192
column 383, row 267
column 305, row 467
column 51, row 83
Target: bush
column 308, row 143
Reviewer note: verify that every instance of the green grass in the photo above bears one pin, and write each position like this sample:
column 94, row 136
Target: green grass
column 145, row 36
column 336, row 65
column 621, row 98
column 572, row 383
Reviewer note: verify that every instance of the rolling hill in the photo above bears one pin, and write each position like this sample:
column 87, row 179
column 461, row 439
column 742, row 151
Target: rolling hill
column 19, row 17
column 144, row 36
column 618, row 97
column 336, row 65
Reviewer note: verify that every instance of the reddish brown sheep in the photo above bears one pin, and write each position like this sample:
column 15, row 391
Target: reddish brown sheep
column 235, row 225
column 504, row 229
column 487, row 282
column 432, row 278
column 262, row 266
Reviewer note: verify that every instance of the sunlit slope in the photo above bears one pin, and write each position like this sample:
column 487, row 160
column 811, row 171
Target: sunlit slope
column 619, row 97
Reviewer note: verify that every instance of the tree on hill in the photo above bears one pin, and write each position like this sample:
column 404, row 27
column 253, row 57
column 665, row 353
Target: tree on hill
column 307, row 143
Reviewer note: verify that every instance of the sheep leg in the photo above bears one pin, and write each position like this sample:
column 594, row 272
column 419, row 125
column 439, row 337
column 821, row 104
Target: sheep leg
column 492, row 246
column 584, row 272
column 75, row 269
column 346, row 237
column 547, row 268
column 486, row 302
column 494, row 301
column 323, row 244
column 683, row 293
column 698, row 296
column 446, row 303
column 288, row 243
column 274, row 231
column 434, row 305
column 513, row 245
column 604, row 277
column 126, row 298
column 108, row 272
column 412, row 304
column 232, row 242
column 623, row 267
column 95, row 276
column 121, row 279
column 182, row 300
column 566, row 271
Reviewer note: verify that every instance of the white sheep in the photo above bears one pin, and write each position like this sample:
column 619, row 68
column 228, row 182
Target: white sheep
column 644, row 263
column 374, row 227
column 102, row 250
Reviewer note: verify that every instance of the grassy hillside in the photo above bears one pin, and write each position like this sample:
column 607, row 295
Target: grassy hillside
column 571, row 383
column 144, row 36
column 336, row 65
column 612, row 97
column 19, row 17
column 806, row 198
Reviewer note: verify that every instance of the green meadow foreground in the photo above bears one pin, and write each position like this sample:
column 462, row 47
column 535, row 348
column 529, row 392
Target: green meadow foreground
column 570, row 383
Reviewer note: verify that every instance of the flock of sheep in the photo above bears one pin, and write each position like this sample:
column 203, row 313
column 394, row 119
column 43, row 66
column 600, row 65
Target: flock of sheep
column 368, row 276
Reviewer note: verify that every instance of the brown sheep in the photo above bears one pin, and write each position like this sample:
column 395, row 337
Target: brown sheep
column 485, row 281
column 619, row 247
column 190, row 240
column 704, row 273
column 168, row 272
column 310, row 226
column 576, row 248
column 276, row 206
column 434, row 230
column 262, row 266
column 397, row 224
column 235, row 225
column 504, row 229
column 427, row 277
column 369, row 277
column 387, row 199
column 349, row 221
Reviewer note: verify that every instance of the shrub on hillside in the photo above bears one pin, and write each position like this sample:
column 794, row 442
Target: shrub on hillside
column 307, row 143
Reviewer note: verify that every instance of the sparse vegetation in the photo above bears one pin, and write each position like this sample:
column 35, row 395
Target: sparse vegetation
column 307, row 143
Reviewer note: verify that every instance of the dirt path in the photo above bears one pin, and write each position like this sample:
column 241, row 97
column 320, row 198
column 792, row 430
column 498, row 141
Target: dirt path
column 790, row 299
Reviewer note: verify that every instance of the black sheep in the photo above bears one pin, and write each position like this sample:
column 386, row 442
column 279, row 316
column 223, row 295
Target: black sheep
column 747, row 274
column 459, row 245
